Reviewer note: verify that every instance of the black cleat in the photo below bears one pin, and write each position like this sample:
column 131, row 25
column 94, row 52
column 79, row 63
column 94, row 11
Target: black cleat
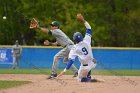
column 89, row 77
column 75, row 74
column 52, row 76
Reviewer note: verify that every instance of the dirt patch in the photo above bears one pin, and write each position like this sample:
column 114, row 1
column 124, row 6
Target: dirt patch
column 67, row 84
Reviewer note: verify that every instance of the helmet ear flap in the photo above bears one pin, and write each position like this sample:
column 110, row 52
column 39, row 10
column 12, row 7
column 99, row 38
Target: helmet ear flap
column 77, row 37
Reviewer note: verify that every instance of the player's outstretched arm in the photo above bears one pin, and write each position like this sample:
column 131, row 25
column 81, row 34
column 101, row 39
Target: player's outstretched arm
column 88, row 33
column 44, row 29
column 82, row 19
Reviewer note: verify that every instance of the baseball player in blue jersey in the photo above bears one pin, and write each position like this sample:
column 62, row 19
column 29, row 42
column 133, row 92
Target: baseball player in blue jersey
column 82, row 49
column 61, row 39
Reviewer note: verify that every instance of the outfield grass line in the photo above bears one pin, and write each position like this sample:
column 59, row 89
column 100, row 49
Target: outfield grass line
column 94, row 72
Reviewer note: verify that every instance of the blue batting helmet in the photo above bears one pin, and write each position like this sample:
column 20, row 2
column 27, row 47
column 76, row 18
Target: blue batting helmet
column 77, row 37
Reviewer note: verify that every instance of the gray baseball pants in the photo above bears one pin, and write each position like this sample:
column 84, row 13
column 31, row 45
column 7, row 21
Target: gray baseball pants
column 64, row 53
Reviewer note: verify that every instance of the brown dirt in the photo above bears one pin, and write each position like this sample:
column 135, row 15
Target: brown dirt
column 67, row 84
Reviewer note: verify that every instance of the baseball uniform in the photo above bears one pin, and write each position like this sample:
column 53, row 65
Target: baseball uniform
column 67, row 44
column 16, row 51
column 83, row 51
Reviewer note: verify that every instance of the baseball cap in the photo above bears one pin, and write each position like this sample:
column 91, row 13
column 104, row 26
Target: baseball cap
column 55, row 23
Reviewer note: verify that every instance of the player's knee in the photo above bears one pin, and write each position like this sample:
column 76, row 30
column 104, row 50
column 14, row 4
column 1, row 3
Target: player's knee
column 94, row 61
column 65, row 60
column 56, row 59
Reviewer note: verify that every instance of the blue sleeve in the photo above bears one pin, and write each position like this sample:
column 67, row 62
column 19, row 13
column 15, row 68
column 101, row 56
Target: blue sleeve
column 88, row 32
column 70, row 62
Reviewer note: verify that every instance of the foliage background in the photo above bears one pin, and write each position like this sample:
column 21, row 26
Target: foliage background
column 114, row 22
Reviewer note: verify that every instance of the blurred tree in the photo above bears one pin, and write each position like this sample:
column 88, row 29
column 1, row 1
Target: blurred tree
column 114, row 22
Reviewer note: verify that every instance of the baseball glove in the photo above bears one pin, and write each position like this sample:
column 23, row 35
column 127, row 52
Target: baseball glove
column 80, row 17
column 34, row 23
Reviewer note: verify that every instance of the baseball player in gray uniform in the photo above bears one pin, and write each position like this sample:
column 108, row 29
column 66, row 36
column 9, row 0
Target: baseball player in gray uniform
column 63, row 40
column 16, row 52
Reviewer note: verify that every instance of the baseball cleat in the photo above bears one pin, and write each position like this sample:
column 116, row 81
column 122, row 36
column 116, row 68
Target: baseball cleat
column 75, row 74
column 52, row 76
column 89, row 77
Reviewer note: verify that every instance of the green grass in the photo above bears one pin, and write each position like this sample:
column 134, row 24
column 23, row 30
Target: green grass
column 8, row 84
column 48, row 71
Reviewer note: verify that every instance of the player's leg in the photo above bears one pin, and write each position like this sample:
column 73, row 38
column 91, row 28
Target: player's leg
column 92, row 65
column 84, row 77
column 61, row 54
column 66, row 54
column 14, row 63
column 73, row 67
column 89, row 74
column 18, row 60
column 54, row 67
column 82, row 74
column 79, row 74
column 56, row 60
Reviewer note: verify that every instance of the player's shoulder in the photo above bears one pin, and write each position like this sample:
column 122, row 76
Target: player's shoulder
column 78, row 45
column 87, row 38
column 57, row 31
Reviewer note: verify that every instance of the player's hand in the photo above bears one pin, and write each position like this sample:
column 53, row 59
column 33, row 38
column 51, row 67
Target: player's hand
column 80, row 17
column 61, row 74
column 34, row 23
column 46, row 43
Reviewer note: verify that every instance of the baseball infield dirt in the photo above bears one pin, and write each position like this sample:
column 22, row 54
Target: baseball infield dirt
column 67, row 84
